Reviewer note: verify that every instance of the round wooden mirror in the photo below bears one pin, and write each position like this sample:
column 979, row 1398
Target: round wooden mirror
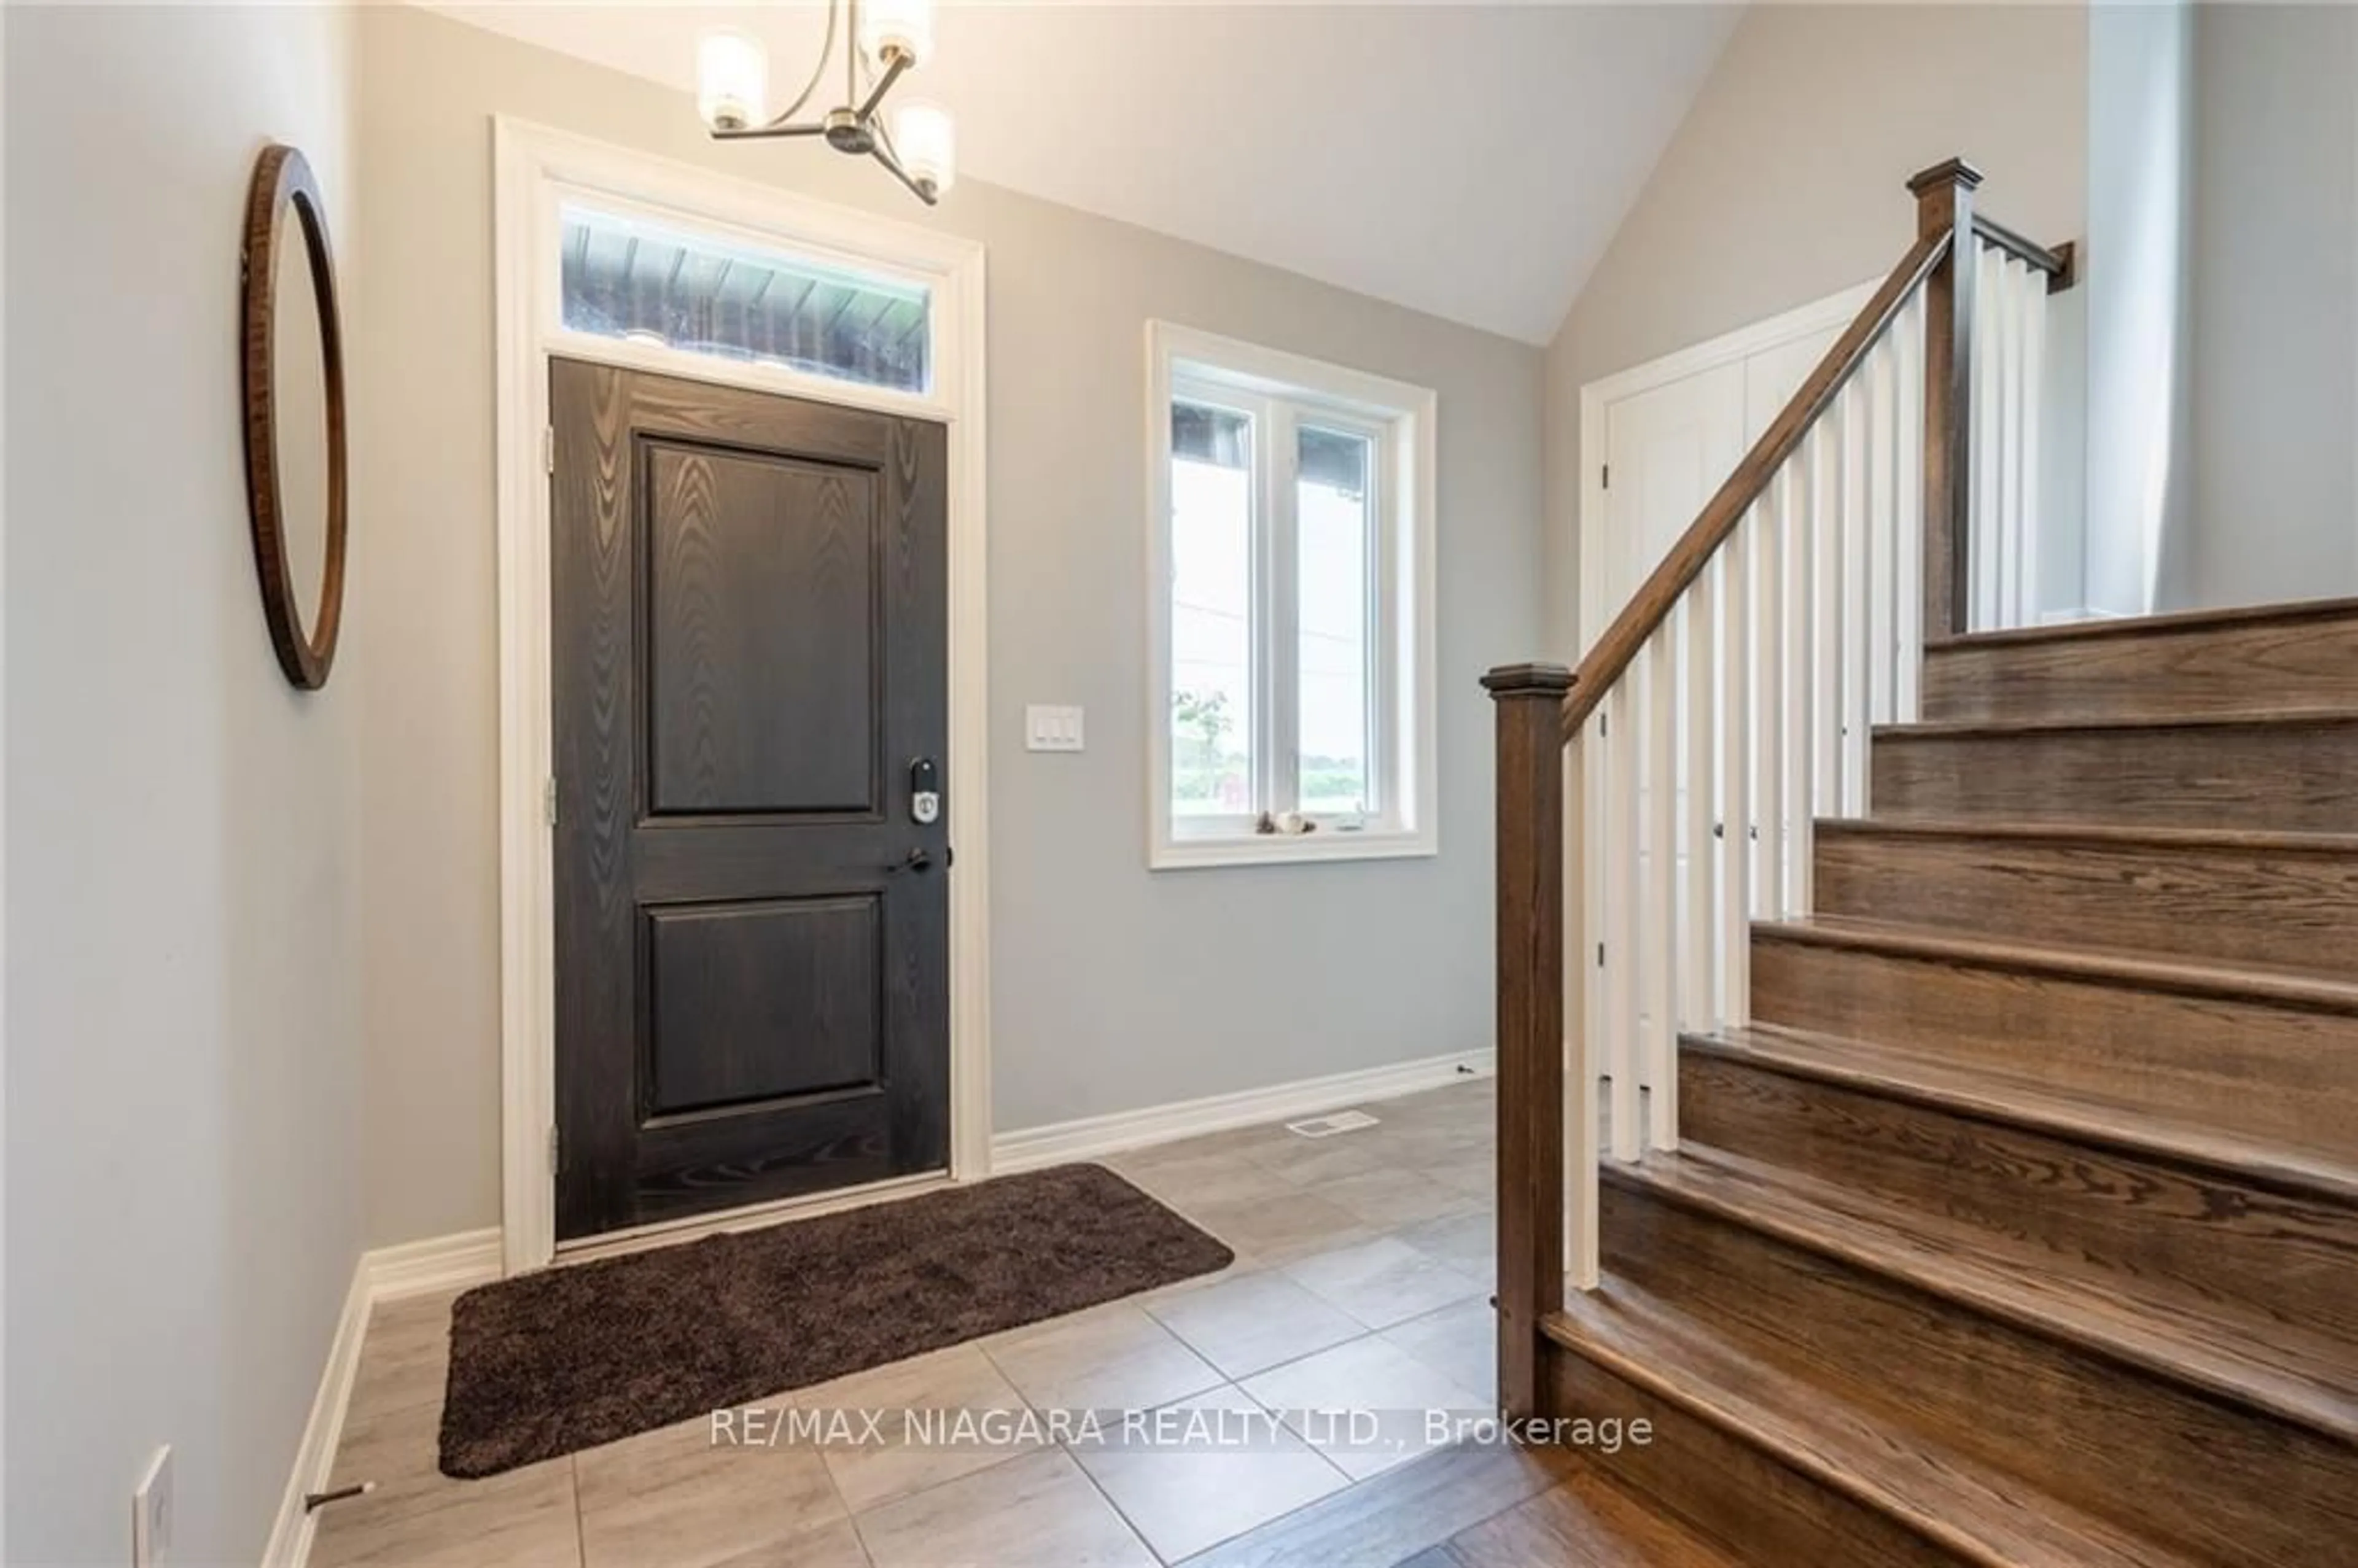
column 294, row 377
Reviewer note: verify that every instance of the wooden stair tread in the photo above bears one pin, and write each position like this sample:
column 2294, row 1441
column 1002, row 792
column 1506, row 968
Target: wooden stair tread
column 2155, row 837
column 2282, row 985
column 1997, row 1096
column 2250, row 719
column 1587, row 1520
column 2297, row 1376
column 1407, row 1513
column 1982, row 1516
column 2175, row 621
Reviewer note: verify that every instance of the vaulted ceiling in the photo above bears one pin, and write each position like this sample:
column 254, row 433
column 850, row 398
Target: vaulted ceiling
column 1471, row 160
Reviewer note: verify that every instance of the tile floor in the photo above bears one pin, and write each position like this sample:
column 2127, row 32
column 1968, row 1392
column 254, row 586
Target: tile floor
column 1363, row 1266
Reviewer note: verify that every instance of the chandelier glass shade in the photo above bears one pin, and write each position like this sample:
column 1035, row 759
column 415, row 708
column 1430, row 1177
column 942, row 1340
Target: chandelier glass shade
column 883, row 40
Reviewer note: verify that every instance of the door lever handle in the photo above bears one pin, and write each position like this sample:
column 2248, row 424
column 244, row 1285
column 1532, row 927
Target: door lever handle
column 915, row 860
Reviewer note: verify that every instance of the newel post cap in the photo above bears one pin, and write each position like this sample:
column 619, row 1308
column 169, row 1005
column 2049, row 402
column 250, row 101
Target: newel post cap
column 1956, row 171
column 1527, row 681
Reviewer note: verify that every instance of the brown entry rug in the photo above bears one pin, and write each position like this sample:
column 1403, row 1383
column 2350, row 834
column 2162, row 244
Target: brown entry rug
column 566, row 1359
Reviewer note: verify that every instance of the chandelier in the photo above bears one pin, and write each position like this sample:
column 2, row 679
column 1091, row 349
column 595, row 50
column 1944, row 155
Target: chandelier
column 883, row 40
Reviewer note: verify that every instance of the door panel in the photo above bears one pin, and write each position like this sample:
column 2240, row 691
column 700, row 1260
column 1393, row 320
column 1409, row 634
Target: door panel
column 723, row 980
column 762, row 601
column 751, row 932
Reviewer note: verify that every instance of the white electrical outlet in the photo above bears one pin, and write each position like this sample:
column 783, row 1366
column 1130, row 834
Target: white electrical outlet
column 151, row 1513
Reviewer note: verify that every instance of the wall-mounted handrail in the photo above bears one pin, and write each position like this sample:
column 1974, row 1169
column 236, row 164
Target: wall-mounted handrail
column 1643, row 615
column 2061, row 264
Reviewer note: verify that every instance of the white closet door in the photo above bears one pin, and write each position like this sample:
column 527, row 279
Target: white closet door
column 1773, row 376
column 1667, row 449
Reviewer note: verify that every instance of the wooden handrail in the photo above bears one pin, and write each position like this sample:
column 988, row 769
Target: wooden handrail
column 1651, row 604
column 2061, row 264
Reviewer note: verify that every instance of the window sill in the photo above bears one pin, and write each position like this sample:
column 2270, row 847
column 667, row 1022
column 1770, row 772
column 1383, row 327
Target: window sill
column 1287, row 849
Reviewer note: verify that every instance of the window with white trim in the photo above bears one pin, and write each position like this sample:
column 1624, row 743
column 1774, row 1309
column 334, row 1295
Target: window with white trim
column 1292, row 507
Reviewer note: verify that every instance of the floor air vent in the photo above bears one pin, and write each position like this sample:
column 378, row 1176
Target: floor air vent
column 1328, row 1126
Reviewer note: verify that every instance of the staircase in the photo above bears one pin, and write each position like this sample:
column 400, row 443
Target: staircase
column 2009, row 1214
column 2021, row 1225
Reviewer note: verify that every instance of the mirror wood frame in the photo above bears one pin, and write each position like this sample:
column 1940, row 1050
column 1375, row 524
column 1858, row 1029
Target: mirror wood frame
column 282, row 184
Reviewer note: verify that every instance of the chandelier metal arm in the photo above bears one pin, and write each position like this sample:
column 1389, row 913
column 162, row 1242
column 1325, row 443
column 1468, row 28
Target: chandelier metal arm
column 818, row 71
column 922, row 189
column 886, row 153
column 763, row 132
column 895, row 63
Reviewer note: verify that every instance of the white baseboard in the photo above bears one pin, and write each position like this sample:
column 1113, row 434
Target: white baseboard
column 436, row 1263
column 1093, row 1136
column 290, row 1533
column 389, row 1274
column 2073, row 616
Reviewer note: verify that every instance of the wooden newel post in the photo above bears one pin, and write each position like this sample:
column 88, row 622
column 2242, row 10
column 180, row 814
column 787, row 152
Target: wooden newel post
column 1530, row 937
column 1944, row 203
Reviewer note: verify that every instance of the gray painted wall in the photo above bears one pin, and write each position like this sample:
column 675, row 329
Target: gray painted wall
column 1787, row 183
column 2274, row 361
column 183, row 984
column 1112, row 988
column 2140, row 284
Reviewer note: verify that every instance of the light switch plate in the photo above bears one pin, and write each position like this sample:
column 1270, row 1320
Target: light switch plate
column 1047, row 729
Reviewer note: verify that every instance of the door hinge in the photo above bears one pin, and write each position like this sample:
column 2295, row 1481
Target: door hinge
column 553, row 1165
column 1604, row 723
column 549, row 800
column 1604, row 477
column 548, row 446
column 1600, row 955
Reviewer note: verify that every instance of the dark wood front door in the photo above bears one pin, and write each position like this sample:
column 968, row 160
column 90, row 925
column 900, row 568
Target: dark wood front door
column 753, row 927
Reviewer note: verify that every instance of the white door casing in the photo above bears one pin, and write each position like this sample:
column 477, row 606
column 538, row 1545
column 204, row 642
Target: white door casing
column 536, row 169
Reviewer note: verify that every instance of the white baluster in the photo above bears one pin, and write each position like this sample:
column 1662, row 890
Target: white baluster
column 1659, row 960
column 1826, row 490
column 1880, row 376
column 1908, row 534
column 2012, row 398
column 1594, row 891
column 1798, row 722
column 1697, row 923
column 1581, row 1212
column 1767, row 662
column 1735, row 794
column 1623, row 955
column 2034, row 414
column 1858, row 577
column 1985, row 540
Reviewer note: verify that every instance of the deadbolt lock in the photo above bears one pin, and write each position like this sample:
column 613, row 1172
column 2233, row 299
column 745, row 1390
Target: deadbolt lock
column 924, row 792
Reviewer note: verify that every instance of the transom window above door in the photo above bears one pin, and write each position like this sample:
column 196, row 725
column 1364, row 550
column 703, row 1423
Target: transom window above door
column 628, row 277
column 1292, row 526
